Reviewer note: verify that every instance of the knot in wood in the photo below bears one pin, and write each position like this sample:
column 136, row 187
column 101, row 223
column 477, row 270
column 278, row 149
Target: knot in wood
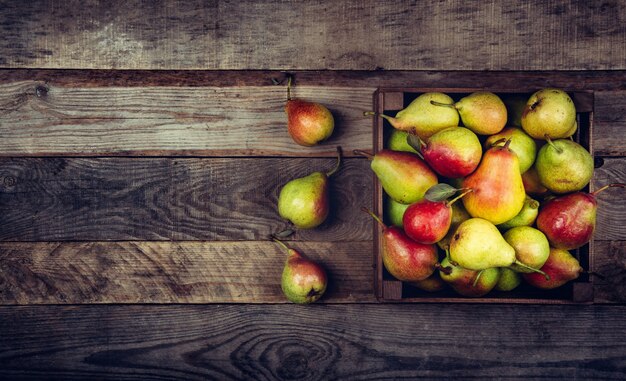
column 9, row 181
column 41, row 91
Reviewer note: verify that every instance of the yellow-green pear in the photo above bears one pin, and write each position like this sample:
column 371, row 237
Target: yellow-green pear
column 521, row 144
column 564, row 166
column 531, row 248
column 482, row 112
column 477, row 245
column 424, row 118
column 467, row 282
column 526, row 217
column 394, row 211
column 398, row 141
column 549, row 113
column 509, row 280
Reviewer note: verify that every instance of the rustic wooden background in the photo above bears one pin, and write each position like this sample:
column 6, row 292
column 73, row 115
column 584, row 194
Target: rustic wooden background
column 142, row 146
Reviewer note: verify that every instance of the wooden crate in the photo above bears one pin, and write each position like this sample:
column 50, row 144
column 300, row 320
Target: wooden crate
column 389, row 289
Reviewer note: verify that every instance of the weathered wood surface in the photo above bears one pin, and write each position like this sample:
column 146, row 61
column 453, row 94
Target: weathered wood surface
column 51, row 113
column 352, row 35
column 284, row 342
column 611, row 217
column 173, row 272
column 610, row 265
column 38, row 119
column 94, row 199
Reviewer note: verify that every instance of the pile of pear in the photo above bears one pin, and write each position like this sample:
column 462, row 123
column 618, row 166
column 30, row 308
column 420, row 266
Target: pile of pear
column 485, row 193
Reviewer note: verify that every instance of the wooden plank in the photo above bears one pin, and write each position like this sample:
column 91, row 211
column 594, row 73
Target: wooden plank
column 286, row 342
column 101, row 199
column 357, row 35
column 610, row 123
column 611, row 217
column 173, row 272
column 94, row 113
column 610, row 266
column 43, row 120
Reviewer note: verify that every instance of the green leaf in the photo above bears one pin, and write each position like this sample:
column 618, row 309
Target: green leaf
column 284, row 234
column 440, row 192
column 414, row 141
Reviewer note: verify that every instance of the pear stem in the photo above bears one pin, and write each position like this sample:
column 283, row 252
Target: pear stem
column 363, row 153
column 507, row 143
column 520, row 264
column 558, row 149
column 498, row 142
column 380, row 222
column 336, row 168
column 477, row 277
column 453, row 263
column 281, row 243
column 370, row 113
column 446, row 270
column 614, row 185
column 466, row 191
column 373, row 113
column 435, row 103
column 289, row 79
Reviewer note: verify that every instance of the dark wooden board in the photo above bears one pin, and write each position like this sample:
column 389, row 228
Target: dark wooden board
column 610, row 265
column 66, row 199
column 354, row 35
column 173, row 272
column 357, row 342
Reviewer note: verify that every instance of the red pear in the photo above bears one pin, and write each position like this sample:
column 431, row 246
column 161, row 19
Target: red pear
column 428, row 221
column 404, row 258
column 454, row 152
column 303, row 281
column 569, row 221
column 308, row 123
column 561, row 267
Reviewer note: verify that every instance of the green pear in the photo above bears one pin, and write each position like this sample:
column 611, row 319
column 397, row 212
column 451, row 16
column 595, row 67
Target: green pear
column 459, row 214
column 467, row 282
column 531, row 248
column 508, row 280
column 564, row 166
column 526, row 217
column 521, row 144
column 477, row 245
column 394, row 211
column 303, row 281
column 304, row 201
column 482, row 112
column 398, row 141
column 549, row 113
column 403, row 175
column 424, row 118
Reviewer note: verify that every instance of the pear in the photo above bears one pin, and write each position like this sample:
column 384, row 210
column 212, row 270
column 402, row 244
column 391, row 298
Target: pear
column 428, row 221
column 531, row 247
column 469, row 282
column 422, row 117
column 497, row 189
column 572, row 130
column 304, row 201
column 564, row 166
column 308, row 123
column 482, row 112
column 394, row 211
column 515, row 104
column 404, row 258
column 303, row 281
column 526, row 217
column 509, row 280
column 398, row 141
column 521, row 144
column 403, row 175
column 549, row 113
column 569, row 221
column 531, row 182
column 433, row 283
column 477, row 245
column 561, row 268
column 454, row 152
column 459, row 214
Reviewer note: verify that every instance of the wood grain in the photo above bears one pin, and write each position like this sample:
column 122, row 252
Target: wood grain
column 106, row 113
column 38, row 119
column 610, row 265
column 353, row 35
column 173, row 272
column 319, row 342
column 611, row 215
column 61, row 199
